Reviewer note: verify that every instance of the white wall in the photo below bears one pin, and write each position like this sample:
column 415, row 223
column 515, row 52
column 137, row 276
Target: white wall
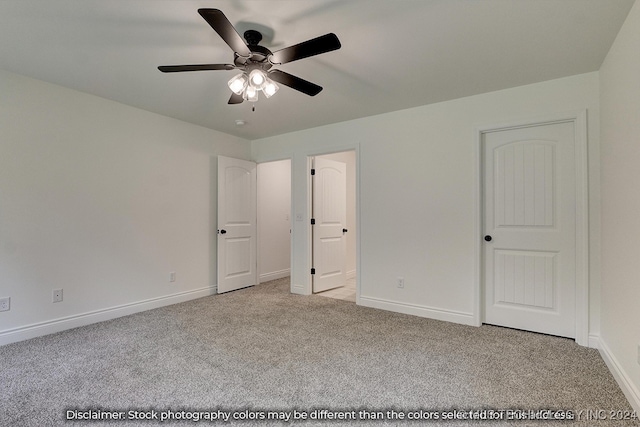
column 349, row 158
column 274, row 222
column 620, row 136
column 417, row 187
column 102, row 200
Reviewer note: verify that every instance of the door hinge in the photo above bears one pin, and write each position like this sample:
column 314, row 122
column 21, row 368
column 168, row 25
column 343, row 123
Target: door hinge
column 313, row 271
column 313, row 171
column 313, row 221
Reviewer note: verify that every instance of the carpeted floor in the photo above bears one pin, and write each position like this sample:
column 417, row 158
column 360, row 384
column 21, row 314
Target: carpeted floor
column 262, row 349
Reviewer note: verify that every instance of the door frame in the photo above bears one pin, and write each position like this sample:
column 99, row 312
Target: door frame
column 579, row 119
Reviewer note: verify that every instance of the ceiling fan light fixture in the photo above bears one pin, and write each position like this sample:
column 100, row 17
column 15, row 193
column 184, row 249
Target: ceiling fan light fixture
column 257, row 78
column 238, row 83
column 248, row 84
column 270, row 87
column 250, row 94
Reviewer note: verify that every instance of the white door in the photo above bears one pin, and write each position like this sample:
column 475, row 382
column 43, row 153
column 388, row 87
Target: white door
column 237, row 249
column 329, row 188
column 530, row 228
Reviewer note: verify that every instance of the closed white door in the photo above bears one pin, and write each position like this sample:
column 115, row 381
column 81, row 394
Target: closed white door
column 329, row 187
column 237, row 249
column 530, row 228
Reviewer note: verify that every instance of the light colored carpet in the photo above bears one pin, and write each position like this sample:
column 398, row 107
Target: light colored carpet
column 262, row 349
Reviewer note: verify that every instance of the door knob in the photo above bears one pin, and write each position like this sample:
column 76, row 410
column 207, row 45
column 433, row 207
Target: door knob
column 222, row 231
column 344, row 230
column 488, row 238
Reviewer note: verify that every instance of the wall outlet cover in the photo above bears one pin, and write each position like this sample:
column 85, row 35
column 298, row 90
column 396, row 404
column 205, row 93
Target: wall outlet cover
column 57, row 295
column 5, row 304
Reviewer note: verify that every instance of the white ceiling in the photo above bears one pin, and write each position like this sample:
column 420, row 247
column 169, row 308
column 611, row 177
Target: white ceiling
column 395, row 54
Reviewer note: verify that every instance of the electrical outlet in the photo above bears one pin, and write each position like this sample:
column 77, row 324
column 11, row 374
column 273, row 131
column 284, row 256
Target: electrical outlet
column 5, row 304
column 401, row 282
column 172, row 276
column 57, row 295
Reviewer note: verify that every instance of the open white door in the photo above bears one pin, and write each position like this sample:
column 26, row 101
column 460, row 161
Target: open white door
column 237, row 249
column 530, row 227
column 329, row 188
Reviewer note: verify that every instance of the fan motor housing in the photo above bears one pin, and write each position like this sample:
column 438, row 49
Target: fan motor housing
column 259, row 54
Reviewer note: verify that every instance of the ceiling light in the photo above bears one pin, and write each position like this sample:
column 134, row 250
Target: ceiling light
column 238, row 83
column 270, row 87
column 257, row 78
column 250, row 94
column 250, row 84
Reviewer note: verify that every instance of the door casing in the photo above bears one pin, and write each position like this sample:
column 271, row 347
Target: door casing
column 579, row 119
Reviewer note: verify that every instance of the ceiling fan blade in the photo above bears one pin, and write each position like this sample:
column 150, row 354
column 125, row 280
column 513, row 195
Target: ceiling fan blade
column 225, row 29
column 235, row 99
column 195, row 67
column 312, row 47
column 296, row 83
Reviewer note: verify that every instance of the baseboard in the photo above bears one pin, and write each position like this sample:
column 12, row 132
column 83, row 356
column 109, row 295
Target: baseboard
column 62, row 324
column 628, row 388
column 298, row 289
column 418, row 310
column 266, row 277
column 594, row 341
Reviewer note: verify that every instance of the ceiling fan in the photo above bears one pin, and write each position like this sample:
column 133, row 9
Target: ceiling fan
column 256, row 61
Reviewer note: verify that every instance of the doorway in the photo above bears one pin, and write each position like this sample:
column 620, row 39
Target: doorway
column 333, row 208
column 274, row 220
